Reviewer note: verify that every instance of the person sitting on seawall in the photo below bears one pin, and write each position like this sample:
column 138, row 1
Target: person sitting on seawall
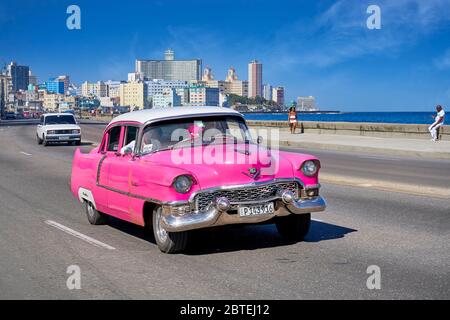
column 150, row 142
column 438, row 122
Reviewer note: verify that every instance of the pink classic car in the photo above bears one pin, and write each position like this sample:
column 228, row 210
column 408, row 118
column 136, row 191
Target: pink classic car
column 179, row 169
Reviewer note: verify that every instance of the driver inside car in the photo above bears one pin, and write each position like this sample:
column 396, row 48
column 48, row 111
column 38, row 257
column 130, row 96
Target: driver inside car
column 151, row 141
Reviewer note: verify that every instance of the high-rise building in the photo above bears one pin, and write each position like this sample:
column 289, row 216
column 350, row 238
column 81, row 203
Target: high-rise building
column 66, row 80
column 267, row 92
column 113, row 88
column 4, row 84
column 32, row 79
column 306, row 103
column 203, row 96
column 254, row 79
column 134, row 95
column 278, row 95
column 19, row 76
column 157, row 86
column 169, row 98
column 54, row 85
column 97, row 89
column 170, row 69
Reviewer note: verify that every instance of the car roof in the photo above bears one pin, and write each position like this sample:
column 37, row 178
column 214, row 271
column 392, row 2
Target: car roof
column 147, row 115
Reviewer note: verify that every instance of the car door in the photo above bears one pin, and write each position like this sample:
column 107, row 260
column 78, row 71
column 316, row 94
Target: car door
column 119, row 173
column 113, row 173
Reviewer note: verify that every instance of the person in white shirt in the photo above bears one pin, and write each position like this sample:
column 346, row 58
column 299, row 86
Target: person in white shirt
column 150, row 141
column 438, row 122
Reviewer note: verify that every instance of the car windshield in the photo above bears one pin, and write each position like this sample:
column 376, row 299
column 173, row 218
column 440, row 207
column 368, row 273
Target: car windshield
column 60, row 119
column 194, row 131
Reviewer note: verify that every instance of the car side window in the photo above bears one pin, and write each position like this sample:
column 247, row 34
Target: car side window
column 131, row 135
column 114, row 139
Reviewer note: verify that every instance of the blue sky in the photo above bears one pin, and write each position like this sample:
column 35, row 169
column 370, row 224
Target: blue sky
column 320, row 48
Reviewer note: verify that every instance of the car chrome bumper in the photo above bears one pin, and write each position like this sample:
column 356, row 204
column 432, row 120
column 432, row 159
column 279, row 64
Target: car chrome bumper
column 174, row 222
column 56, row 137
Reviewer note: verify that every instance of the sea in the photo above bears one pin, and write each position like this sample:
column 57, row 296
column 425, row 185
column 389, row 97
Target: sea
column 376, row 117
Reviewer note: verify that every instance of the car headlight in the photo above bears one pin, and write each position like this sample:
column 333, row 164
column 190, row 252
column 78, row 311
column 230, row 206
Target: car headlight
column 51, row 131
column 76, row 131
column 183, row 183
column 309, row 168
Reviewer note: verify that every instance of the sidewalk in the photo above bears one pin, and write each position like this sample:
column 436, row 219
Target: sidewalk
column 354, row 143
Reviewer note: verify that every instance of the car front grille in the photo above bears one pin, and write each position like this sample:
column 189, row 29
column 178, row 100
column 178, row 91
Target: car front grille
column 63, row 131
column 239, row 195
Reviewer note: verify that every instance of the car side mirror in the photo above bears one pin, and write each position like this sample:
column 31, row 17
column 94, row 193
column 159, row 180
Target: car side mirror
column 127, row 151
column 259, row 140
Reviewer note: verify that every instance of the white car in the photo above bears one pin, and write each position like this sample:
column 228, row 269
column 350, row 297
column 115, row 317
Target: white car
column 58, row 127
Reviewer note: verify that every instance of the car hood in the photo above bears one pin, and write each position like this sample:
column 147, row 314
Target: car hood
column 218, row 165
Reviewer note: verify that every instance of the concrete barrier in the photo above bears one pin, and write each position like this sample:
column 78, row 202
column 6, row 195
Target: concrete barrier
column 381, row 130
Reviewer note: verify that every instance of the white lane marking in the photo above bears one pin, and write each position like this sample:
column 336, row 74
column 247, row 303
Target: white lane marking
column 79, row 235
column 365, row 185
column 27, row 154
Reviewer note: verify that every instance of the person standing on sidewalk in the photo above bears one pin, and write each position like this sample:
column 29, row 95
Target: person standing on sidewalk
column 438, row 122
column 292, row 118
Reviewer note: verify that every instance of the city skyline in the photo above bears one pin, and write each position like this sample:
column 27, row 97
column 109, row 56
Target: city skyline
column 322, row 49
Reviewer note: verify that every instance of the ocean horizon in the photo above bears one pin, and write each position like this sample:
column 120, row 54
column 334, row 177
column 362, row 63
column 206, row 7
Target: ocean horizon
column 375, row 117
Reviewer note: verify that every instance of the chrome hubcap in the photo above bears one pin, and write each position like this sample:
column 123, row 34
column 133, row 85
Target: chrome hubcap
column 90, row 210
column 160, row 231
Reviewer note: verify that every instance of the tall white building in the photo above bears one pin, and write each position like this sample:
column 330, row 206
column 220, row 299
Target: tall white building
column 267, row 92
column 278, row 95
column 97, row 89
column 157, row 86
column 169, row 68
column 255, row 79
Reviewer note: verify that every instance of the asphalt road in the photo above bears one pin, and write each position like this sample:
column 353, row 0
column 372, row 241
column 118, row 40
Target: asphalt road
column 407, row 236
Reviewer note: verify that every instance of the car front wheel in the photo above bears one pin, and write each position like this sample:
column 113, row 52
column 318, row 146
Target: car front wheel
column 294, row 227
column 39, row 140
column 168, row 242
column 44, row 141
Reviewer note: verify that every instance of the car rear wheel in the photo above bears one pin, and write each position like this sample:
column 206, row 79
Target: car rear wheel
column 168, row 242
column 294, row 227
column 95, row 217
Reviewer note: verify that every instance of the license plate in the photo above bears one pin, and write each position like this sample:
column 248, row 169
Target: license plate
column 62, row 138
column 262, row 209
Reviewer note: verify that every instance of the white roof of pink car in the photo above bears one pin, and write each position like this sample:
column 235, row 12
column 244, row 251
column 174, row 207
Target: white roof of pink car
column 147, row 115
